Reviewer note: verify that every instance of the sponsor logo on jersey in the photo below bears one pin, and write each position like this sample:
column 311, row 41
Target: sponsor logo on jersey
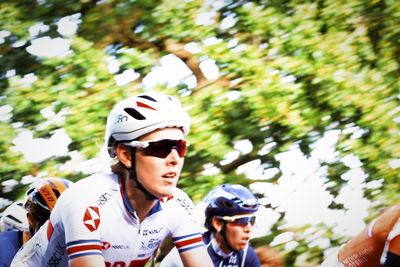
column 103, row 199
column 151, row 231
column 233, row 259
column 186, row 204
column 150, row 245
column 120, row 246
column 91, row 218
column 54, row 260
column 105, row 245
column 135, row 263
column 106, row 196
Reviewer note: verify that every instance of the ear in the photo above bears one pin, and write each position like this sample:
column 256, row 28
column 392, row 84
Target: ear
column 217, row 224
column 124, row 155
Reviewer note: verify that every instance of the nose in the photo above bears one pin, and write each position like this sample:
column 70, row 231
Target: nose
column 248, row 227
column 173, row 157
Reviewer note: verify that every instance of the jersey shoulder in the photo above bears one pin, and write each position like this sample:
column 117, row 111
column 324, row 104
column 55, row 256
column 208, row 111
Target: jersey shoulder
column 89, row 188
column 88, row 192
column 179, row 200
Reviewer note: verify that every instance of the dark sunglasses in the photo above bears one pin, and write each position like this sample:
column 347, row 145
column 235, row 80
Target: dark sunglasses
column 161, row 148
column 239, row 220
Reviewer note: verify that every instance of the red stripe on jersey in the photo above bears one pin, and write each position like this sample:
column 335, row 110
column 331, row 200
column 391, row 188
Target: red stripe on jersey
column 50, row 230
column 188, row 242
column 83, row 248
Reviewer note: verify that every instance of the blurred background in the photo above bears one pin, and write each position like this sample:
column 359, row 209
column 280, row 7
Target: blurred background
column 298, row 100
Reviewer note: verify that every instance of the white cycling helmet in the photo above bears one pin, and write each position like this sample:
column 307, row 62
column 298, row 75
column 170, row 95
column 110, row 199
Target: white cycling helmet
column 142, row 114
column 14, row 217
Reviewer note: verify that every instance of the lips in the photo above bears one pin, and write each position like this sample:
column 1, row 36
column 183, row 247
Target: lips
column 169, row 175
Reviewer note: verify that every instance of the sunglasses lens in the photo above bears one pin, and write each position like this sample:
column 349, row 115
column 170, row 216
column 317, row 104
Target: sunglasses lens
column 162, row 148
column 244, row 221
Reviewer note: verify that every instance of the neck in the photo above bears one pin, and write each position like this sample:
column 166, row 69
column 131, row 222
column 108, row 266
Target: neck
column 220, row 241
column 25, row 237
column 137, row 199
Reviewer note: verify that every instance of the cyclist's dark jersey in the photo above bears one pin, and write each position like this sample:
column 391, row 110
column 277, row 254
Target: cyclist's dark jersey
column 10, row 243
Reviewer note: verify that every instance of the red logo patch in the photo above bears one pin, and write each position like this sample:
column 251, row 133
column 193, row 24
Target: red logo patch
column 91, row 219
column 106, row 245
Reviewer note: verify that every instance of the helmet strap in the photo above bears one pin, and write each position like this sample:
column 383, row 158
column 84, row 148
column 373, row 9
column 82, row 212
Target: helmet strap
column 224, row 239
column 133, row 176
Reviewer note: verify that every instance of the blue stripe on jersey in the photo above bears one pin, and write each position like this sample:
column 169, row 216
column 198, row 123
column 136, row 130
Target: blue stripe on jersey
column 84, row 254
column 189, row 248
column 184, row 237
column 72, row 243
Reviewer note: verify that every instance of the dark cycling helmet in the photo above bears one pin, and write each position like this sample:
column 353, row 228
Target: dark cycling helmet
column 42, row 196
column 229, row 200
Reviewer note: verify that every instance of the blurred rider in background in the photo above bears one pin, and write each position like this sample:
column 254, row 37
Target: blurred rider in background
column 229, row 219
column 21, row 220
column 376, row 245
column 15, row 231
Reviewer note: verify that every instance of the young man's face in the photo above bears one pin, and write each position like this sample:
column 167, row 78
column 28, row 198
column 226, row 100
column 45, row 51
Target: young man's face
column 160, row 175
column 237, row 233
column 238, row 236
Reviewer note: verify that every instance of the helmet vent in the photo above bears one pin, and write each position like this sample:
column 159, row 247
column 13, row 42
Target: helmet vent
column 134, row 113
column 148, row 98
column 227, row 204
column 30, row 191
column 13, row 218
column 143, row 105
column 247, row 206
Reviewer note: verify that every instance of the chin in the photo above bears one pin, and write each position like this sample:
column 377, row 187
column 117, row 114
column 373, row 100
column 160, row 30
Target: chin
column 241, row 246
column 165, row 191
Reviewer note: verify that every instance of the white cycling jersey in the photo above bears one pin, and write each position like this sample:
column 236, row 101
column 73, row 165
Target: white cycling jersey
column 93, row 217
column 31, row 253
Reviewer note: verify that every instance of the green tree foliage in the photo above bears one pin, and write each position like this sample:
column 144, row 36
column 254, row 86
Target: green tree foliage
column 289, row 72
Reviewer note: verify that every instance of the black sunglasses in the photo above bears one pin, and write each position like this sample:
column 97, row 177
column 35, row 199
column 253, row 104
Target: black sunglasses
column 161, row 148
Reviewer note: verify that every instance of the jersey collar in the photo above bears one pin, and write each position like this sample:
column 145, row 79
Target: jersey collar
column 217, row 249
column 157, row 207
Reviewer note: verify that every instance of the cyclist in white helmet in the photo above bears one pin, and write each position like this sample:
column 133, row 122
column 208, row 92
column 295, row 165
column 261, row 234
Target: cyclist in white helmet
column 15, row 231
column 27, row 217
column 120, row 218
column 14, row 217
